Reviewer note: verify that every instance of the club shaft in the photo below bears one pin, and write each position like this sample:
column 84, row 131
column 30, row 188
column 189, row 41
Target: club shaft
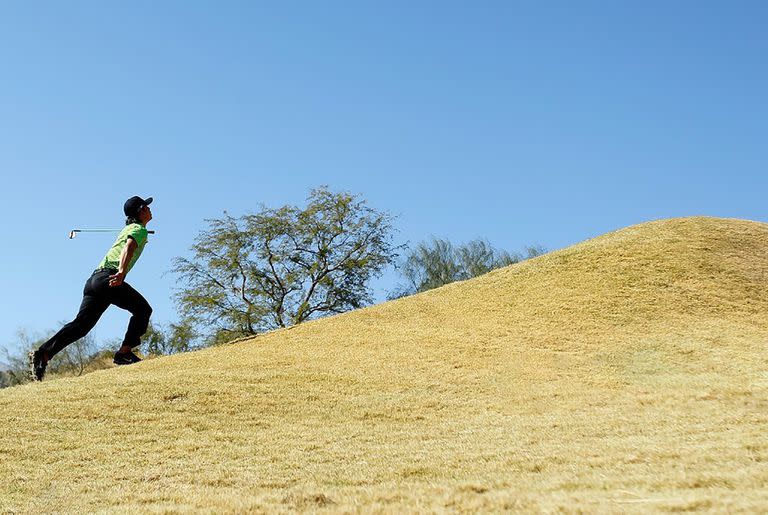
column 104, row 230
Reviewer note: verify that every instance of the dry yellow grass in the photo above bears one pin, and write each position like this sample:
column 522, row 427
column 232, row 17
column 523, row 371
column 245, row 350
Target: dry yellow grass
column 626, row 373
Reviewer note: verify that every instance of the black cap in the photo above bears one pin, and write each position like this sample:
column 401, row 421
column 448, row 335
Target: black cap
column 133, row 205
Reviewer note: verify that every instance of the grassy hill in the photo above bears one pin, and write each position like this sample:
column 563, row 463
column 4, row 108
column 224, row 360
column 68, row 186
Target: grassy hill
column 625, row 373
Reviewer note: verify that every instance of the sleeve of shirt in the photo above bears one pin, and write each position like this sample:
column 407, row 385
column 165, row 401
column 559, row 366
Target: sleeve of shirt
column 139, row 234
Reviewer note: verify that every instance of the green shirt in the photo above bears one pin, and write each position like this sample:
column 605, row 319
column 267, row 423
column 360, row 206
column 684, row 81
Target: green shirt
column 112, row 260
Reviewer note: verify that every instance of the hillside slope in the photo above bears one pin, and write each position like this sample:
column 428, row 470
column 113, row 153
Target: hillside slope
column 626, row 372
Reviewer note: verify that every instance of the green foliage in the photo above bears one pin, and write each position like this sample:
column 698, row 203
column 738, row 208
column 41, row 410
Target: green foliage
column 438, row 262
column 71, row 361
column 280, row 267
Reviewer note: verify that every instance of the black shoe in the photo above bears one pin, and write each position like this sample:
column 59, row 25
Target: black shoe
column 37, row 365
column 125, row 358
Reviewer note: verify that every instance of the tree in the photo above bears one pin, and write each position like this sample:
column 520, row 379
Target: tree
column 177, row 338
column 280, row 267
column 16, row 371
column 75, row 357
column 438, row 262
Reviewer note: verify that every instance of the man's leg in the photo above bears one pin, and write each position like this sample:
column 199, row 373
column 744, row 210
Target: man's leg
column 125, row 297
column 91, row 309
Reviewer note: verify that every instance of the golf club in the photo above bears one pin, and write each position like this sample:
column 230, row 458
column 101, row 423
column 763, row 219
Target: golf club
column 74, row 232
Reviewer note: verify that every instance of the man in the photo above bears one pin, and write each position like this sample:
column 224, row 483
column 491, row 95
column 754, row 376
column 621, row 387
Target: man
column 107, row 286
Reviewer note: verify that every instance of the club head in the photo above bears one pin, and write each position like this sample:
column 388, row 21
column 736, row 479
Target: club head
column 72, row 234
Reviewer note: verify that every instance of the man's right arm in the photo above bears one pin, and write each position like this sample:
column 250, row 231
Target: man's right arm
column 125, row 258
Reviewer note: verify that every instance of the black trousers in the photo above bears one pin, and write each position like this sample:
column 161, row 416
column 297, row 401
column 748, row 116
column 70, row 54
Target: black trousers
column 97, row 297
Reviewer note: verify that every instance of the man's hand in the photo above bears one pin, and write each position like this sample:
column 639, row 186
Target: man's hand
column 117, row 279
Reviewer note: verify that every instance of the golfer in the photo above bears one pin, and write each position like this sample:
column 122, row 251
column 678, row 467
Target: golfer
column 107, row 286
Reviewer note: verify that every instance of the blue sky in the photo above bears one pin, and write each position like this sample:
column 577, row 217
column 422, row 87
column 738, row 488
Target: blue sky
column 521, row 122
